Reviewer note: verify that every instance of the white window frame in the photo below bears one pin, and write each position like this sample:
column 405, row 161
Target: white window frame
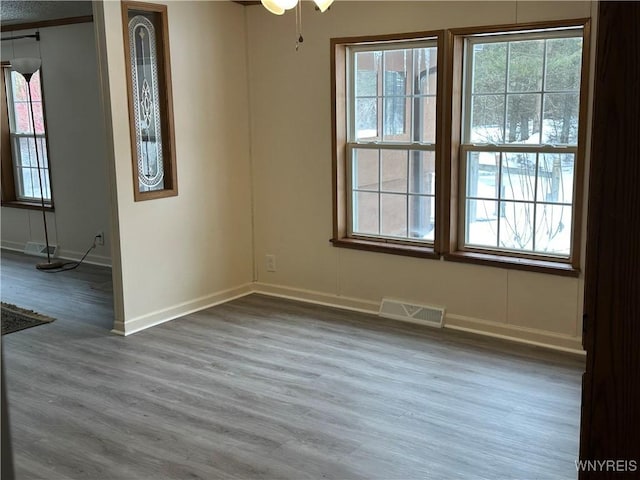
column 16, row 156
column 352, row 144
column 537, row 149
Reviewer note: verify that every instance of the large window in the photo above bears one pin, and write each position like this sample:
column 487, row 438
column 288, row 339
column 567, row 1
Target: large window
column 520, row 141
column 391, row 141
column 21, row 182
column 481, row 161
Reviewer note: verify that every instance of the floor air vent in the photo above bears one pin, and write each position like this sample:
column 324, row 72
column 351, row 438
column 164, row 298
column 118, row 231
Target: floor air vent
column 40, row 249
column 408, row 312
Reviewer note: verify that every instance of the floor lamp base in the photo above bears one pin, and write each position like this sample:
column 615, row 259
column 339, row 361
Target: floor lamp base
column 50, row 265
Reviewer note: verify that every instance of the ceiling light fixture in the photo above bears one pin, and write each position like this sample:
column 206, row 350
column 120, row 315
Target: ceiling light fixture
column 280, row 6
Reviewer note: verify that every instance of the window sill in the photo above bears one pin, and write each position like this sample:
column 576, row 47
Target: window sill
column 26, row 205
column 386, row 247
column 515, row 263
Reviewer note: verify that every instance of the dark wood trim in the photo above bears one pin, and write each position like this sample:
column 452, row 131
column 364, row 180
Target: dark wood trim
column 338, row 137
column 453, row 122
column 441, row 133
column 386, row 247
column 26, row 205
column 391, row 37
column 516, row 27
column 514, row 263
column 339, row 140
column 8, row 192
column 455, row 57
column 166, row 97
column 611, row 326
column 57, row 22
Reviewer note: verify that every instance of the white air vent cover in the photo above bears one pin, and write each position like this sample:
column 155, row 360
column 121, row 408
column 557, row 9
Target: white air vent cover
column 408, row 312
column 40, row 249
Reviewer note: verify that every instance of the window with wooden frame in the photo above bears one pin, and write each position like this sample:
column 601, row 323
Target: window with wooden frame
column 386, row 149
column 20, row 173
column 518, row 145
column 148, row 65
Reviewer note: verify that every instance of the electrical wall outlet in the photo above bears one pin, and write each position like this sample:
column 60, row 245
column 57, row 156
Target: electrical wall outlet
column 100, row 238
column 271, row 263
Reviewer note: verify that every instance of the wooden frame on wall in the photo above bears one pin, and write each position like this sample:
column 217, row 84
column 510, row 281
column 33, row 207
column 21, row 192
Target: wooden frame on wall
column 146, row 42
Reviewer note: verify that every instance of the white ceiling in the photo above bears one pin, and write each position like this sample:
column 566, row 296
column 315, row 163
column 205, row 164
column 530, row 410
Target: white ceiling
column 16, row 12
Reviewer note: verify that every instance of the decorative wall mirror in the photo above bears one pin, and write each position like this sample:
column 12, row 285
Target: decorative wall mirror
column 146, row 41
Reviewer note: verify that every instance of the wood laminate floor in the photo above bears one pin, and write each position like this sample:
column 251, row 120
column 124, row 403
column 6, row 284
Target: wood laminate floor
column 269, row 388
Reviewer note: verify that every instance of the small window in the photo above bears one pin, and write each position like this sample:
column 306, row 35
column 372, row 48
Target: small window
column 391, row 141
column 22, row 175
column 519, row 149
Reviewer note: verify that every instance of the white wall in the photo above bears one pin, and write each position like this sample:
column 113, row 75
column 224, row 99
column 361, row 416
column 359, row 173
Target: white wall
column 76, row 145
column 183, row 253
column 291, row 155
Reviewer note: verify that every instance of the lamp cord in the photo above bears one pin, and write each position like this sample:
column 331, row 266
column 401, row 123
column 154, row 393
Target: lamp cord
column 65, row 267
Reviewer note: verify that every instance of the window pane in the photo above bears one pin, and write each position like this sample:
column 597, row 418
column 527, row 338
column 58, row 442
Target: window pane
column 365, row 213
column 30, row 187
column 425, row 120
column 518, row 176
column 555, row 178
column 422, row 217
column 39, row 118
column 394, row 102
column 45, row 184
column 526, row 60
column 560, row 124
column 26, row 154
column 35, row 87
column 422, row 172
column 19, row 87
column 523, row 118
column 366, row 77
column 26, row 183
column 516, row 226
column 482, row 174
column 426, row 65
column 42, row 151
column 564, row 63
column 398, row 66
column 481, row 223
column 487, row 119
column 522, row 90
column 22, row 118
column 396, row 121
column 393, row 168
column 366, row 118
column 489, row 67
column 393, row 215
column 365, row 169
column 553, row 229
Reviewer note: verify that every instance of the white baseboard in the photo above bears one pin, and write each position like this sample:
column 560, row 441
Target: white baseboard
column 514, row 333
column 529, row 336
column 318, row 298
column 93, row 259
column 14, row 246
column 166, row 314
